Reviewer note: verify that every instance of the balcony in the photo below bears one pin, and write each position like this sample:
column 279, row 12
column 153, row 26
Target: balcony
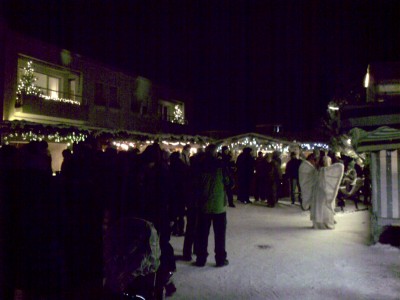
column 55, row 108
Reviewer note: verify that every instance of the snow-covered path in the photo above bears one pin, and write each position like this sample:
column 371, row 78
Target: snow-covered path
column 274, row 254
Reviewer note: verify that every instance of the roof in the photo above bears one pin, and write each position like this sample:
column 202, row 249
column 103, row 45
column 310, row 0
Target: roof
column 370, row 116
column 259, row 138
column 383, row 138
column 385, row 71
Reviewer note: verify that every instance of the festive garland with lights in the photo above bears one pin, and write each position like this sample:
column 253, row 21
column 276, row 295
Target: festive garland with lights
column 271, row 146
column 29, row 136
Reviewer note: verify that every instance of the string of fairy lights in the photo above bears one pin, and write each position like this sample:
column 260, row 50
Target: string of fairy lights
column 312, row 146
column 30, row 136
column 167, row 145
column 77, row 137
column 63, row 100
column 178, row 115
column 271, row 146
column 27, row 86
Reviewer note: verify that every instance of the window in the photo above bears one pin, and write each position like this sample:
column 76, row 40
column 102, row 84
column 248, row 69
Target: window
column 99, row 94
column 72, row 89
column 144, row 110
column 53, row 86
column 49, row 85
column 113, row 97
column 165, row 115
column 135, row 103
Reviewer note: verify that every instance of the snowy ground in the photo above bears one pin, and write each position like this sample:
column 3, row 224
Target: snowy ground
column 274, row 254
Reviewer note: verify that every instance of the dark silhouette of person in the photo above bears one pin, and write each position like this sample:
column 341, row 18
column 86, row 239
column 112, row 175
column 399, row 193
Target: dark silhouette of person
column 260, row 192
column 192, row 210
column 229, row 166
column 8, row 235
column 156, row 209
column 177, row 188
column 245, row 172
column 292, row 173
column 273, row 181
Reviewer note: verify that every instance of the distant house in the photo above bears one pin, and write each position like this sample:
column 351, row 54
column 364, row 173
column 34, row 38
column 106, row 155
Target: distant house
column 49, row 92
column 382, row 83
column 382, row 101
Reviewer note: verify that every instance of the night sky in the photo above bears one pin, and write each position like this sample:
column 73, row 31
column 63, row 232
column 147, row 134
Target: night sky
column 242, row 62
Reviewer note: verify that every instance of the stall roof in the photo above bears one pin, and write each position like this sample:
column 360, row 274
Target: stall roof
column 20, row 126
column 252, row 135
column 383, row 138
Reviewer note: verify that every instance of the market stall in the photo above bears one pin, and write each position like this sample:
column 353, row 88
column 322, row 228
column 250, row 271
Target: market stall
column 382, row 145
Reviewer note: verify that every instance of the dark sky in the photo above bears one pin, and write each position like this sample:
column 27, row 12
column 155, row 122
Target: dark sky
column 243, row 62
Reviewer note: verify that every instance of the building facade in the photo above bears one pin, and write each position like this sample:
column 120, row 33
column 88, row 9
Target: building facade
column 47, row 91
column 382, row 100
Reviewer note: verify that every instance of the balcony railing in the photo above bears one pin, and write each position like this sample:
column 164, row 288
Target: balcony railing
column 53, row 95
column 54, row 107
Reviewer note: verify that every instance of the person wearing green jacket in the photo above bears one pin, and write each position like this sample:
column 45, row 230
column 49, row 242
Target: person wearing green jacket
column 212, row 203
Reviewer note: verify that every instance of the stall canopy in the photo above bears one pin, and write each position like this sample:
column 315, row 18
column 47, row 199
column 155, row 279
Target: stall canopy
column 256, row 141
column 383, row 138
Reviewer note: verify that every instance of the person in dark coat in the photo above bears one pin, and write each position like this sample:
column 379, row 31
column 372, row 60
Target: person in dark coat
column 85, row 202
column 276, row 157
column 177, row 187
column 8, row 235
column 190, row 243
column 260, row 192
column 245, row 172
column 292, row 173
column 39, row 258
column 156, row 209
column 229, row 166
column 273, row 181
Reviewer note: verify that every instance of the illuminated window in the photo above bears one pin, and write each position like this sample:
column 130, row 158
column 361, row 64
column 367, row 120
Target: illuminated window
column 72, row 89
column 49, row 85
column 53, row 86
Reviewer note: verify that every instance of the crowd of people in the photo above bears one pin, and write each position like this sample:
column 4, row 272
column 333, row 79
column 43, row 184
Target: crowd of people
column 52, row 227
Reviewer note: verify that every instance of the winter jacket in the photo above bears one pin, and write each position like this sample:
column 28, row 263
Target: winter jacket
column 211, row 186
column 292, row 168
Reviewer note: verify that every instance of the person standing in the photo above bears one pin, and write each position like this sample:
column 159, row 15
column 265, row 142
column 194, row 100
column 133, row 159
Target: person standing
column 156, row 192
column 276, row 158
column 185, row 155
column 292, row 172
column 260, row 192
column 212, row 207
column 177, row 189
column 190, row 240
column 229, row 166
column 245, row 171
column 273, row 181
